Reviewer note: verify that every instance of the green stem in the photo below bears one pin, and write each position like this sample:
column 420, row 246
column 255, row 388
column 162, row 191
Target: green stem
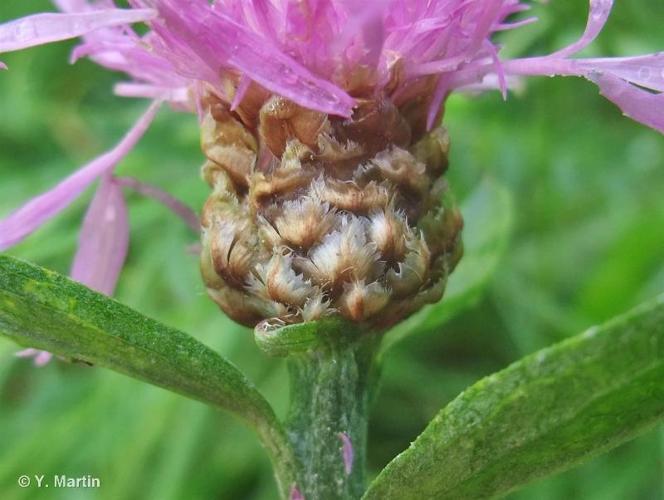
column 330, row 388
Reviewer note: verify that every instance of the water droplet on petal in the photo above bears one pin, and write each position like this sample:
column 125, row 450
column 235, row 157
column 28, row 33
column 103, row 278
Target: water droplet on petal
column 645, row 74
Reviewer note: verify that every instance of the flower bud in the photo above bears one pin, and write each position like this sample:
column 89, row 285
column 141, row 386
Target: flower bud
column 314, row 216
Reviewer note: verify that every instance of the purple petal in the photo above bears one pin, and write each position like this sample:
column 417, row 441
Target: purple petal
column 500, row 71
column 40, row 358
column 119, row 48
column 440, row 66
column 88, row 5
column 27, row 353
column 617, row 78
column 73, row 5
column 241, row 91
column 597, row 17
column 486, row 18
column 646, row 71
column 3, row 65
column 174, row 95
column 104, row 239
column 366, row 20
column 224, row 43
column 46, row 28
column 439, row 96
column 638, row 104
column 515, row 24
column 347, row 452
column 176, row 206
column 40, row 209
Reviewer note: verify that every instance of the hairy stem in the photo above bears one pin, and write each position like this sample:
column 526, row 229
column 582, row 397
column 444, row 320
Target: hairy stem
column 330, row 396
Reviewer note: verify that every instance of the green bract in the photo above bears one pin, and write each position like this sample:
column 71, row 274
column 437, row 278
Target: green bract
column 488, row 214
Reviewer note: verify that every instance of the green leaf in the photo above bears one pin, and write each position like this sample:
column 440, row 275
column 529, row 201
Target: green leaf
column 44, row 310
column 487, row 214
column 543, row 414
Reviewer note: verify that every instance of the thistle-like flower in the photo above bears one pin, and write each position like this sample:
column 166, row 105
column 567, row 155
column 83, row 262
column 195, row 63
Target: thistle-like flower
column 320, row 127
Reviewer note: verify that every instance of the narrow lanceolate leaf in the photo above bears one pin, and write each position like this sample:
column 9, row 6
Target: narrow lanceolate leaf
column 487, row 213
column 543, row 414
column 44, row 310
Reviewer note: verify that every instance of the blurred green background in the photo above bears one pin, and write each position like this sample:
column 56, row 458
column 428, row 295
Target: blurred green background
column 587, row 243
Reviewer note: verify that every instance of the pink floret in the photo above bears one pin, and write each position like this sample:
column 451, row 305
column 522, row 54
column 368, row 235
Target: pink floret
column 40, row 358
column 321, row 54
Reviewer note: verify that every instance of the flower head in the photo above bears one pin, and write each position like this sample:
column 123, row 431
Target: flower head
column 322, row 54
column 310, row 60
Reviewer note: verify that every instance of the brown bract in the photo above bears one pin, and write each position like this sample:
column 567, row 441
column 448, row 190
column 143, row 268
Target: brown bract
column 313, row 215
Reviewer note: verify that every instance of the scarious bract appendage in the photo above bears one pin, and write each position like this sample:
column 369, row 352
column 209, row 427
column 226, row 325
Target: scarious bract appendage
column 312, row 215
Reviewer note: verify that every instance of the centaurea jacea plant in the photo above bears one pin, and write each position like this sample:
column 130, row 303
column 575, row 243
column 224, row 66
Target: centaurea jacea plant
column 324, row 150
